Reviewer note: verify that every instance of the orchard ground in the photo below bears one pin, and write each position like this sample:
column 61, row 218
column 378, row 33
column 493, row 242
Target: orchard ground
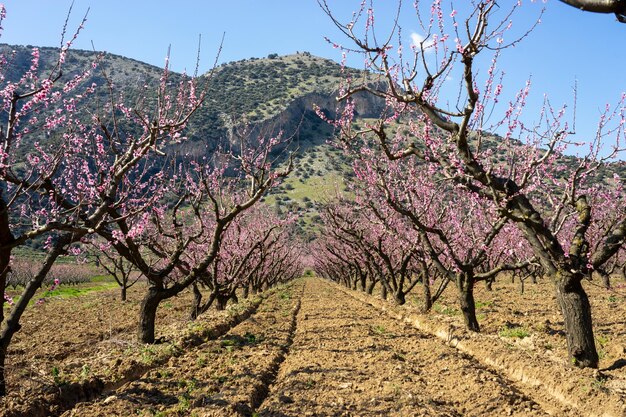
column 313, row 348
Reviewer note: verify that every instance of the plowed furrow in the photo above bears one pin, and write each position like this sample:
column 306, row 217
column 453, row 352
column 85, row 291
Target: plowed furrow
column 225, row 377
column 349, row 359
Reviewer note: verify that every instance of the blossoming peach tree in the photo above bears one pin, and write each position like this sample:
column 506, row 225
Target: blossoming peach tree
column 521, row 172
column 175, row 242
column 69, row 168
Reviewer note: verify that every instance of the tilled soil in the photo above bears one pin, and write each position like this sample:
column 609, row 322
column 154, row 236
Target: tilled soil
column 224, row 377
column 349, row 359
column 315, row 351
column 312, row 348
column 78, row 358
column 531, row 323
column 63, row 336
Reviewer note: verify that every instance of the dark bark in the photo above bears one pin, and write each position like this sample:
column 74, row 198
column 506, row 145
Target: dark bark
column 399, row 298
column 233, row 297
column 3, row 382
column 426, row 295
column 599, row 6
column 467, row 303
column 576, row 311
column 383, row 292
column 12, row 324
column 370, row 287
column 246, row 291
column 363, row 282
column 147, row 314
column 197, row 307
column 123, row 290
column 221, row 300
column 6, row 238
column 195, row 304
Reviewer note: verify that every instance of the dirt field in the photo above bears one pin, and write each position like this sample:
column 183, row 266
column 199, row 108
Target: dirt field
column 312, row 348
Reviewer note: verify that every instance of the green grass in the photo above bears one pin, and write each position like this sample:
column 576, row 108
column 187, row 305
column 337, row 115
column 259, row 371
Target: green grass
column 247, row 339
column 514, row 332
column 448, row 311
column 67, row 291
column 379, row 330
column 316, row 188
column 601, row 342
column 102, row 278
column 64, row 291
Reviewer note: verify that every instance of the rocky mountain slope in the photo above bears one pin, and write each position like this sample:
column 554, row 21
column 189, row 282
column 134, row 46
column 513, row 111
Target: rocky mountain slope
column 273, row 93
column 276, row 93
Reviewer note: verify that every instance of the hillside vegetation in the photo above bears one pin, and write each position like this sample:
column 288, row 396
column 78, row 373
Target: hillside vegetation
column 276, row 93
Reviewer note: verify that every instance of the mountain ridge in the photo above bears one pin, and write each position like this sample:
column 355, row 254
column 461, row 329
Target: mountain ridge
column 275, row 93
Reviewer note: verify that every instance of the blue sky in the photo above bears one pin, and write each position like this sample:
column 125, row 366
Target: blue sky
column 568, row 45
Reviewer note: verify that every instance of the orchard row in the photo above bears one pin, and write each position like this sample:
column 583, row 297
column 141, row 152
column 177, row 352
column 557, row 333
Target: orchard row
column 86, row 168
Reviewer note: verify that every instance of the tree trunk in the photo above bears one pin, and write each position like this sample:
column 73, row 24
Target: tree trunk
column 362, row 283
column 233, row 297
column 466, row 300
column 12, row 323
column 426, row 295
column 370, row 288
column 5, row 261
column 6, row 238
column 220, row 301
column 246, row 291
column 123, row 292
column 576, row 311
column 399, row 297
column 383, row 292
column 3, row 382
column 147, row 315
column 194, row 312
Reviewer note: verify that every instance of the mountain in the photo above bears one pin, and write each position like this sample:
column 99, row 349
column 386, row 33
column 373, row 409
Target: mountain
column 273, row 93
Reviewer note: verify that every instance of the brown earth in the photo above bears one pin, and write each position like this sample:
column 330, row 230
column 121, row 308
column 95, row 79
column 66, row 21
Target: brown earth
column 349, row 359
column 507, row 312
column 536, row 310
column 67, row 333
column 224, row 377
column 72, row 348
column 314, row 348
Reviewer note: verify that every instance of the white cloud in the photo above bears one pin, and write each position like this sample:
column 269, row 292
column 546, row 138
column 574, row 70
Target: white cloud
column 417, row 40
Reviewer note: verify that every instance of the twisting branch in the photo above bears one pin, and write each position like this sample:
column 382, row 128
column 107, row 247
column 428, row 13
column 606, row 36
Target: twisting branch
column 617, row 7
